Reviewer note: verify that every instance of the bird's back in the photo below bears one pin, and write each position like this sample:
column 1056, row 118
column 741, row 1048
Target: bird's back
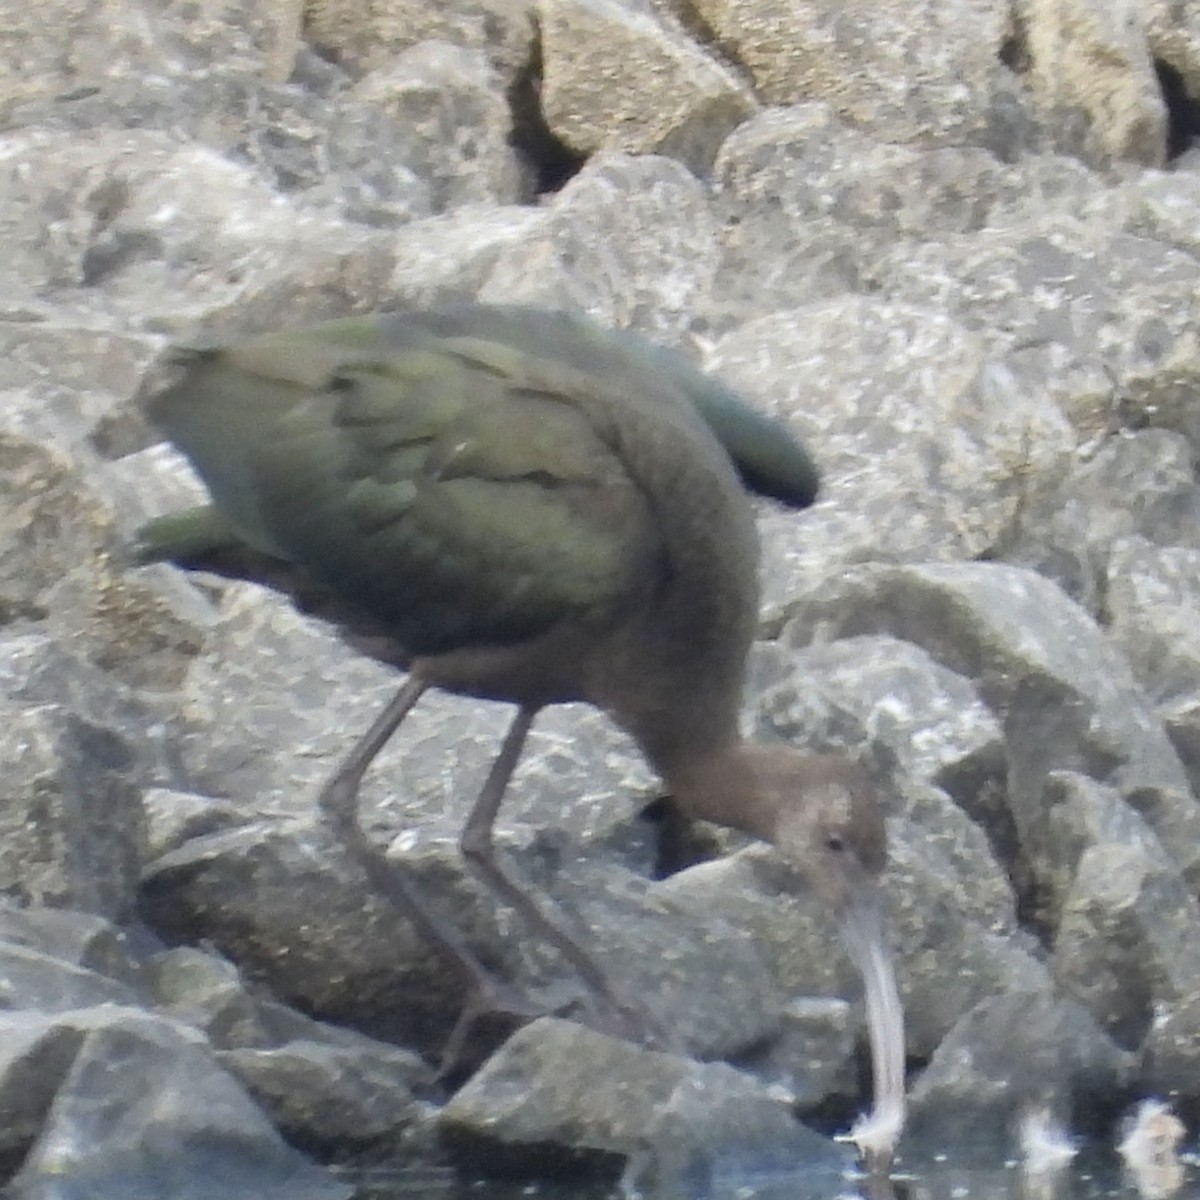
column 769, row 460
column 477, row 483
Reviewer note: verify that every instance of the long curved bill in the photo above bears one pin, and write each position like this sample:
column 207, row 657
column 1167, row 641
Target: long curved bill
column 863, row 931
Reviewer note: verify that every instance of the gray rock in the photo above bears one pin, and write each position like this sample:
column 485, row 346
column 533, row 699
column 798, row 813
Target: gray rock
column 948, row 959
column 456, row 123
column 713, row 1138
column 630, row 240
column 253, row 894
column 75, row 939
column 1091, row 73
column 334, row 1091
column 935, row 922
column 1027, row 647
column 1007, row 1056
column 810, row 204
column 125, row 39
column 73, row 829
column 923, row 454
column 333, row 148
column 931, row 719
column 616, row 78
column 1151, row 600
column 746, row 892
column 813, row 1056
column 144, row 1108
column 42, row 982
column 705, row 979
column 1135, row 485
column 364, row 37
column 350, row 1104
column 36, row 1052
column 886, row 67
column 43, row 489
column 62, row 383
column 1067, row 281
column 175, row 818
column 942, row 750
column 248, row 243
column 350, row 957
column 942, row 260
column 1151, row 597
column 207, row 992
column 449, row 258
column 535, row 1105
column 1171, row 1049
column 1119, row 909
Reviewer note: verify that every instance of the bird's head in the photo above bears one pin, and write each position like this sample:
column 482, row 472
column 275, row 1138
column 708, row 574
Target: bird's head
column 825, row 815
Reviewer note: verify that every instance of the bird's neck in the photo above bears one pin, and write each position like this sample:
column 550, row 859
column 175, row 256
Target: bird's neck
column 722, row 785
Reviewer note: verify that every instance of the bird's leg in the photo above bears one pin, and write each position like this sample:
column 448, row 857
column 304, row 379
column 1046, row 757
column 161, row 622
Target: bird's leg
column 338, row 802
column 339, row 797
column 479, row 851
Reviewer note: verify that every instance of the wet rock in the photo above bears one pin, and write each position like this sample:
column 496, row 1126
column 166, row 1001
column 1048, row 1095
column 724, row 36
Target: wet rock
column 142, row 1107
column 558, row 1096
column 712, row 1139
column 346, row 1103
column 1171, row 1052
column 1121, row 910
column 1007, row 1056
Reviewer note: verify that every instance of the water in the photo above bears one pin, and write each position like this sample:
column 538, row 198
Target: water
column 1093, row 1175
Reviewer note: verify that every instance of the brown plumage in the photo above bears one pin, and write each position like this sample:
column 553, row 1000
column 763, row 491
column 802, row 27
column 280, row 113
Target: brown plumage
column 518, row 506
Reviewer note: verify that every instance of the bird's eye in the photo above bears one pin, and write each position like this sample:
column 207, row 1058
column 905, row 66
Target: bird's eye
column 835, row 842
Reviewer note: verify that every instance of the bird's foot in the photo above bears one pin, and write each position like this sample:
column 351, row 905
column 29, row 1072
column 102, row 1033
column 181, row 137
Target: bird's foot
column 631, row 1021
column 493, row 1012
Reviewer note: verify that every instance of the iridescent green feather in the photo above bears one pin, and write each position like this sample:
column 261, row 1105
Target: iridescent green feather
column 455, row 475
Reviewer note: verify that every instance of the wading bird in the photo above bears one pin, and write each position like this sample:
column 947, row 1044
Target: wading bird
column 518, row 505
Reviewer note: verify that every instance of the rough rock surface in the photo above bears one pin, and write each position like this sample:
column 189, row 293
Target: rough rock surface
column 955, row 246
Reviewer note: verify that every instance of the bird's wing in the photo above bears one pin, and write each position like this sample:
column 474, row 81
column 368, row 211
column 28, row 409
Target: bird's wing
column 459, row 493
column 769, row 459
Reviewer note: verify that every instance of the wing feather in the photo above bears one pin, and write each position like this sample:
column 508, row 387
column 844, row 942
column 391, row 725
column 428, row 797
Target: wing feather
column 454, row 502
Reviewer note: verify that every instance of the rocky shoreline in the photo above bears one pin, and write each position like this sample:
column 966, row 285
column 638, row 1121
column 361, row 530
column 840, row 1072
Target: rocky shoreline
column 957, row 250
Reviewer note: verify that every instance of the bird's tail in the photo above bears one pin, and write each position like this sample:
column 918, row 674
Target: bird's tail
column 183, row 537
